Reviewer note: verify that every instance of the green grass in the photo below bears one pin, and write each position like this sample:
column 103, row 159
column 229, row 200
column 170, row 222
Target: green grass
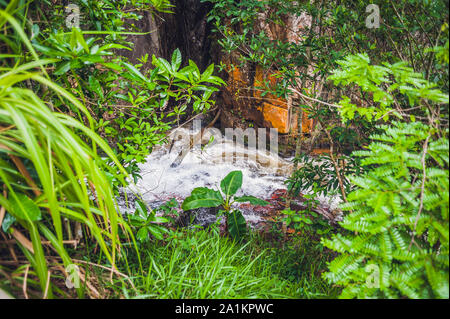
column 301, row 260
column 202, row 264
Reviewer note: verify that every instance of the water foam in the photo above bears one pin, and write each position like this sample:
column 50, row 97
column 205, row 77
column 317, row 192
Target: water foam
column 206, row 167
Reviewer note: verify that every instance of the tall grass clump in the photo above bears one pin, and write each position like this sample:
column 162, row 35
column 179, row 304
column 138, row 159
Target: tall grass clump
column 198, row 264
column 49, row 177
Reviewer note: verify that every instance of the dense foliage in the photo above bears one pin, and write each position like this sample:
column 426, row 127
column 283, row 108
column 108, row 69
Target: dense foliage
column 399, row 216
column 48, row 173
column 261, row 33
column 399, row 210
column 380, row 98
column 77, row 117
column 128, row 104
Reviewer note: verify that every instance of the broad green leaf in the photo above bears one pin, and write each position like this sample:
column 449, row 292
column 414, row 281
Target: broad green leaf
column 216, row 80
column 142, row 234
column 24, row 208
column 181, row 76
column 195, row 70
column 176, row 60
column 163, row 65
column 157, row 231
column 114, row 46
column 208, row 72
column 152, row 218
column 62, row 68
column 34, row 31
column 95, row 86
column 200, row 190
column 113, row 66
column 8, row 220
column 134, row 71
column 231, row 183
column 202, row 197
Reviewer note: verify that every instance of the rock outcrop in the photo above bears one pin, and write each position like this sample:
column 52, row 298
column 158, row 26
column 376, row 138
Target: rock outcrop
column 241, row 101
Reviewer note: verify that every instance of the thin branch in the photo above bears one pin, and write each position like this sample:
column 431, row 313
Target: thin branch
column 430, row 63
column 25, row 279
column 336, row 166
column 47, row 285
column 315, row 100
column 422, row 188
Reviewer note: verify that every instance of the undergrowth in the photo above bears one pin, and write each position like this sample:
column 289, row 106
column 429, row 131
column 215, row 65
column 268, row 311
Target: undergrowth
column 193, row 263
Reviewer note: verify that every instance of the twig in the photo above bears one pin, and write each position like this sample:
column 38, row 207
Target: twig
column 2, row 215
column 298, row 145
column 430, row 63
column 422, row 188
column 25, row 278
column 315, row 100
column 47, row 285
column 22, row 239
column 336, row 166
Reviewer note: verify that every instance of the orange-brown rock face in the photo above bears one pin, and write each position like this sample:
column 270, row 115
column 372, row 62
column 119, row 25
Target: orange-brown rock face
column 244, row 98
column 244, row 95
column 285, row 119
column 277, row 116
column 275, row 110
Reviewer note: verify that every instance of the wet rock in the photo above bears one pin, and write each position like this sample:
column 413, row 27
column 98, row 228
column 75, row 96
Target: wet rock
column 185, row 29
column 242, row 102
column 126, row 201
column 243, row 97
column 277, row 203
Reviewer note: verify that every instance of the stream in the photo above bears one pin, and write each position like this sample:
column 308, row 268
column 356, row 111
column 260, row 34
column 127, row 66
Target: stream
column 264, row 173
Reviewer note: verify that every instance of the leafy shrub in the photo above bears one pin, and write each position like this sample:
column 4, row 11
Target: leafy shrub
column 399, row 211
column 307, row 222
column 399, row 214
column 132, row 105
column 318, row 175
column 206, row 197
column 300, row 42
column 49, row 174
column 146, row 222
column 390, row 85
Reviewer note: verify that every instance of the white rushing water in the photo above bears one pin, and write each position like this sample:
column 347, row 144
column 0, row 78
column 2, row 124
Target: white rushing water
column 207, row 167
column 263, row 172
